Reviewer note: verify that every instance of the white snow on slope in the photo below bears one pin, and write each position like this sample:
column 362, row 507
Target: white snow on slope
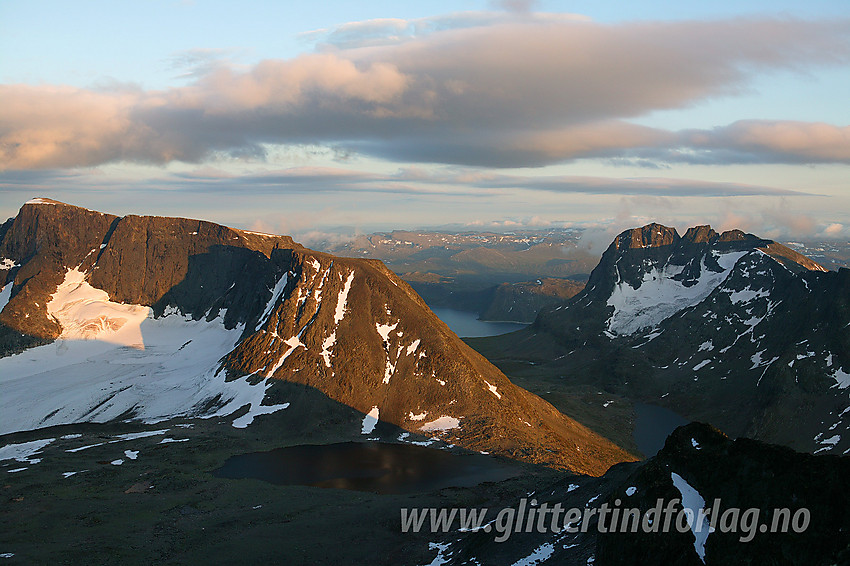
column 86, row 313
column 691, row 499
column 292, row 343
column 370, row 420
column 747, row 295
column 659, row 296
column 5, row 295
column 339, row 314
column 276, row 294
column 413, row 346
column 842, row 379
column 170, row 371
column 22, row 452
column 541, row 554
column 493, row 389
column 445, row 422
column 385, row 329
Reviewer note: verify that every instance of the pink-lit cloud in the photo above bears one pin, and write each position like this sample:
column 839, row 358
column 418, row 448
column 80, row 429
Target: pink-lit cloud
column 478, row 90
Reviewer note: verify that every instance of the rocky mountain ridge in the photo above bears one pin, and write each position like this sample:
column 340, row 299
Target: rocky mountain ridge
column 349, row 328
column 728, row 328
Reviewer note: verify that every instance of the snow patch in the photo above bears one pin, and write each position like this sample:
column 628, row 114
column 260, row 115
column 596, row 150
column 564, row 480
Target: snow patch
column 702, row 364
column 842, row 379
column 385, row 329
column 493, row 389
column 255, row 410
column 5, row 295
column 327, row 348
column 131, row 454
column 23, row 451
column 747, row 295
column 412, row 348
column 370, row 420
column 541, row 554
column 86, row 313
column 277, row 292
column 176, row 374
column 293, row 343
column 660, row 296
column 136, row 435
column 339, row 313
column 691, row 499
column 445, row 422
column 440, row 559
column 419, row 417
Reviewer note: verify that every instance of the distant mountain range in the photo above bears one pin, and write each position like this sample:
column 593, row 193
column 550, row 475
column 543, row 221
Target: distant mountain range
column 107, row 317
column 731, row 329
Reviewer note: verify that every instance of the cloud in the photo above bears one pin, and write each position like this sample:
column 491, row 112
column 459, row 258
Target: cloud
column 489, row 89
column 518, row 6
column 834, row 230
column 413, row 181
column 768, row 141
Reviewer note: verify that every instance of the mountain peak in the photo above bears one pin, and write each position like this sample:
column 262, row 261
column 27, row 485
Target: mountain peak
column 700, row 234
column 346, row 327
column 650, row 236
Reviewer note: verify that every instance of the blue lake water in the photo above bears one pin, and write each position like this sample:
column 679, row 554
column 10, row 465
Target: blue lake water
column 653, row 425
column 466, row 324
column 368, row 466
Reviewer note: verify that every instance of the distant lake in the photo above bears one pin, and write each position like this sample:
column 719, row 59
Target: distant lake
column 466, row 324
column 368, row 466
column 653, row 425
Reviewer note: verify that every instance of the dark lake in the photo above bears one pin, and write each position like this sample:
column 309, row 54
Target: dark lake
column 653, row 425
column 466, row 324
column 368, row 466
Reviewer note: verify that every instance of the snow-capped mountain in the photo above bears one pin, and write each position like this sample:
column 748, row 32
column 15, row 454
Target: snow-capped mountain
column 726, row 328
column 107, row 317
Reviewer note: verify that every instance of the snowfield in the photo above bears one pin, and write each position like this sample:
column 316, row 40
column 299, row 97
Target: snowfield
column 659, row 296
column 114, row 360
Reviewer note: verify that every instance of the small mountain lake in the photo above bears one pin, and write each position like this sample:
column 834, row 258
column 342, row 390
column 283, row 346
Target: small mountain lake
column 467, row 325
column 378, row 467
column 653, row 425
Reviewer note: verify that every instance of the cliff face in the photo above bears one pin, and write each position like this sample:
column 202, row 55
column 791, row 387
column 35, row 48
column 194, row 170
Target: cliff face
column 520, row 302
column 346, row 327
column 725, row 328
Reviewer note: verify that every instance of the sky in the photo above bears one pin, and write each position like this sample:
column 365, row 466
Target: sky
column 345, row 117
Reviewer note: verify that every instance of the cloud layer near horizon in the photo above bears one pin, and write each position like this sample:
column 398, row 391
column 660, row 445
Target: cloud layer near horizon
column 477, row 90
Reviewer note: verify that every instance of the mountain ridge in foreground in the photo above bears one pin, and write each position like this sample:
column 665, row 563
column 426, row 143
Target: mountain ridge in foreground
column 729, row 328
column 127, row 308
